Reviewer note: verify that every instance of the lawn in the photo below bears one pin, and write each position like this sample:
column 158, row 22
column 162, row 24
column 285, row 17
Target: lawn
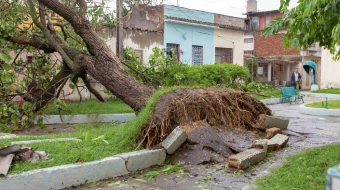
column 332, row 104
column 86, row 150
column 275, row 93
column 118, row 139
column 328, row 91
column 89, row 107
column 306, row 170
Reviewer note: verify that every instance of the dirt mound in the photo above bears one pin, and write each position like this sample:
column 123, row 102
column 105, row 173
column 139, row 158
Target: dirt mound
column 218, row 107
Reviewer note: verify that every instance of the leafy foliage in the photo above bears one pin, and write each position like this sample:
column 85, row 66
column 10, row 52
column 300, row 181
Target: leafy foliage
column 163, row 70
column 311, row 21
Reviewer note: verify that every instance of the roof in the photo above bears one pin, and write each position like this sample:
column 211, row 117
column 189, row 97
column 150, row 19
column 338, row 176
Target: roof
column 262, row 12
column 206, row 23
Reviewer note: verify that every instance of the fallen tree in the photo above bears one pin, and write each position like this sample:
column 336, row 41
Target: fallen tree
column 84, row 53
column 217, row 106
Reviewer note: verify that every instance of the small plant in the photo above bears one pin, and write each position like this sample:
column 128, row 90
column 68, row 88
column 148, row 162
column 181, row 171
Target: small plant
column 173, row 168
column 151, row 175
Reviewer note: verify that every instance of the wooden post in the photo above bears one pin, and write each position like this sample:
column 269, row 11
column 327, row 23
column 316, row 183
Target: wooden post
column 119, row 29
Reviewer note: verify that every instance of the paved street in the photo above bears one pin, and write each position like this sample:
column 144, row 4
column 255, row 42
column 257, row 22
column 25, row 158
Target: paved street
column 310, row 131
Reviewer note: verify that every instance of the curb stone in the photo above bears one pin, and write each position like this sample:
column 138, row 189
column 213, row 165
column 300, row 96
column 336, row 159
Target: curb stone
column 76, row 174
column 46, row 140
column 142, row 159
column 90, row 118
column 66, row 176
column 321, row 95
column 319, row 111
column 174, row 140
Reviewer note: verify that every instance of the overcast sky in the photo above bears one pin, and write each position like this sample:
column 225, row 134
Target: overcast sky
column 228, row 7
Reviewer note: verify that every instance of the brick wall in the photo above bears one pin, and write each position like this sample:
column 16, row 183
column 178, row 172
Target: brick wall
column 271, row 45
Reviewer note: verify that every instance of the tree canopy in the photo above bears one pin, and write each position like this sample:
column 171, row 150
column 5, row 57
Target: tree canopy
column 59, row 41
column 309, row 22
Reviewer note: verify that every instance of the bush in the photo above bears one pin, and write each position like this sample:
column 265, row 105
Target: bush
column 163, row 70
column 224, row 75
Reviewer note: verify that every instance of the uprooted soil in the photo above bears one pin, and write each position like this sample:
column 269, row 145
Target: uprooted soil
column 218, row 107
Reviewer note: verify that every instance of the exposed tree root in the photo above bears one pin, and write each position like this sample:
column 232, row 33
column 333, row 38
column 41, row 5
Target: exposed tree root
column 216, row 106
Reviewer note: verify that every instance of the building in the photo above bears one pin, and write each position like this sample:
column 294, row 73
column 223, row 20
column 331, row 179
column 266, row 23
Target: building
column 197, row 37
column 330, row 70
column 276, row 63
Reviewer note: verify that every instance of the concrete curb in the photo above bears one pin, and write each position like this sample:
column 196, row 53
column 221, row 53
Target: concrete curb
column 46, row 140
column 75, row 174
column 271, row 101
column 73, row 119
column 7, row 136
column 319, row 111
column 321, row 95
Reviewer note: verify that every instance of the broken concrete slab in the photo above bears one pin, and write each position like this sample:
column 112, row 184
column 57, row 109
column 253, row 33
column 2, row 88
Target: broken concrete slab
column 247, row 158
column 5, row 163
column 272, row 121
column 142, row 159
column 270, row 133
column 65, row 176
column 175, row 139
column 46, row 140
column 237, row 139
column 207, row 136
column 194, row 155
column 261, row 144
column 267, row 121
column 277, row 142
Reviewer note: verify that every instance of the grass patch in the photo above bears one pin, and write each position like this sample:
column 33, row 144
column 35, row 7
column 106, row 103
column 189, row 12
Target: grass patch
column 306, row 170
column 328, row 91
column 119, row 140
column 332, row 104
column 89, row 107
column 275, row 93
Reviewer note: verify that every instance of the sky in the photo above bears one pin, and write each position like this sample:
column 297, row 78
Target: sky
column 227, row 7
column 234, row 8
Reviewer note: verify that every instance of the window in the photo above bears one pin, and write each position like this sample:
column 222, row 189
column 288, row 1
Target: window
column 175, row 48
column 197, row 55
column 248, row 40
column 223, row 55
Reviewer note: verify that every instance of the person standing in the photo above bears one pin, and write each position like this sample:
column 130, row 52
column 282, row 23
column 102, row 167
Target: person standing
column 296, row 78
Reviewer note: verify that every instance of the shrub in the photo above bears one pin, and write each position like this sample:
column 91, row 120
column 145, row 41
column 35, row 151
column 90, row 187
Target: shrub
column 163, row 70
column 224, row 75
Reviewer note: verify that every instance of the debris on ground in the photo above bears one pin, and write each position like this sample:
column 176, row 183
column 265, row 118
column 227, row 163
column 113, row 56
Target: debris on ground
column 203, row 145
column 247, row 158
column 16, row 153
column 270, row 133
column 277, row 142
column 267, row 121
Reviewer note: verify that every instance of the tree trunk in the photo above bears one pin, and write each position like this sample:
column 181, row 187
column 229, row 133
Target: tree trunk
column 103, row 65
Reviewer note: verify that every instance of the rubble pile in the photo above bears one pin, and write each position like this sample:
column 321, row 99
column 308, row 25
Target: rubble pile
column 15, row 153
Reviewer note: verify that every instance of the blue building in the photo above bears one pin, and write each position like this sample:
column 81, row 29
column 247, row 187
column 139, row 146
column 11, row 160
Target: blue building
column 197, row 37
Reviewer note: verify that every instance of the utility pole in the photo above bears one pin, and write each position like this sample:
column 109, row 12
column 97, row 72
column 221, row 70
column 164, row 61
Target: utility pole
column 119, row 29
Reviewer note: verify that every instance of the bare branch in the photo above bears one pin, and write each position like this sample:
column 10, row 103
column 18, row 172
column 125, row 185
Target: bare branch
column 83, row 7
column 91, row 89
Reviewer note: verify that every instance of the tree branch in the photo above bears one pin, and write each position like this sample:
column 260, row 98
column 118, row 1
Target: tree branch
column 83, row 7
column 91, row 89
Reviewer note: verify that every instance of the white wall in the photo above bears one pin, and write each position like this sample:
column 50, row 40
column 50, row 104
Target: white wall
column 249, row 46
column 330, row 70
column 225, row 38
column 138, row 40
